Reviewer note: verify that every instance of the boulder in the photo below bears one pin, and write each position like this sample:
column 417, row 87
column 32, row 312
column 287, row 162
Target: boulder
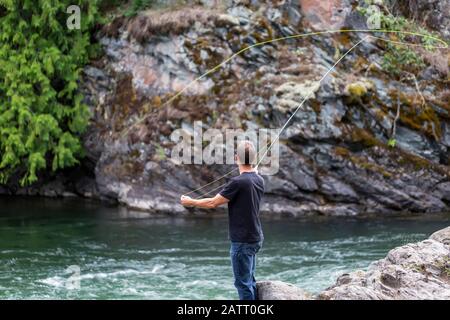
column 277, row 290
column 416, row 271
column 442, row 236
column 411, row 272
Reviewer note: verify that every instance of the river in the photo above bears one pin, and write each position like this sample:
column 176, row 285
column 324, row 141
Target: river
column 130, row 255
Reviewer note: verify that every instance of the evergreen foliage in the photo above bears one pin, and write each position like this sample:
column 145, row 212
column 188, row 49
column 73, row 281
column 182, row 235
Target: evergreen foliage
column 138, row 5
column 41, row 111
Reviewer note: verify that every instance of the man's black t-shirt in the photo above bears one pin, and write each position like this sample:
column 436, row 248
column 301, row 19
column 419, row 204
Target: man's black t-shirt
column 244, row 192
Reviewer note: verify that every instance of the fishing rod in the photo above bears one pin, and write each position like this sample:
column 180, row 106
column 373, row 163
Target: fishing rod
column 269, row 146
column 306, row 97
column 267, row 149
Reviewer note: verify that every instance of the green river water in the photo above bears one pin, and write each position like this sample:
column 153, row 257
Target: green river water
column 129, row 255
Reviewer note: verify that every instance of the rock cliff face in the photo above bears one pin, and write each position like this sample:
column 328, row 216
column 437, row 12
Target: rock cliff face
column 334, row 157
column 415, row 271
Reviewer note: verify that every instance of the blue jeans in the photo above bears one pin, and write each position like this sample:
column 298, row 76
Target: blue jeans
column 243, row 261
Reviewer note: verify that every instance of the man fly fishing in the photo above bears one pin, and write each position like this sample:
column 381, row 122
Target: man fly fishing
column 243, row 195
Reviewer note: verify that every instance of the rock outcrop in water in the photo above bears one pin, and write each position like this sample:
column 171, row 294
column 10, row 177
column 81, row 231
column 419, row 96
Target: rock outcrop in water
column 278, row 290
column 413, row 271
column 334, row 156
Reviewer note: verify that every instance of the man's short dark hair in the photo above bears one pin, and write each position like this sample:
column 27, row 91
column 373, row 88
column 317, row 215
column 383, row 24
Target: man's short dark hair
column 246, row 152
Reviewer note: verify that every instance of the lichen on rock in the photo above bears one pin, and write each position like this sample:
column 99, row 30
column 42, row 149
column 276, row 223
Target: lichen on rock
column 358, row 88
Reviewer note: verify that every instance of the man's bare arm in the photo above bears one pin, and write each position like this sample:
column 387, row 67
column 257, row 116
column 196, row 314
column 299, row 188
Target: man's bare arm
column 206, row 203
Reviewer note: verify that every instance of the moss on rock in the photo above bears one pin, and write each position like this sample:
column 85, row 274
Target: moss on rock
column 417, row 115
column 364, row 137
column 362, row 162
column 358, row 89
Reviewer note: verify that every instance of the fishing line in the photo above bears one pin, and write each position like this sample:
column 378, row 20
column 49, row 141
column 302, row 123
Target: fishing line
column 406, row 43
column 140, row 120
column 267, row 149
column 306, row 97
column 212, row 182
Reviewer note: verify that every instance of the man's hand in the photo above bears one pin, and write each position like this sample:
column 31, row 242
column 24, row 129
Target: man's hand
column 186, row 201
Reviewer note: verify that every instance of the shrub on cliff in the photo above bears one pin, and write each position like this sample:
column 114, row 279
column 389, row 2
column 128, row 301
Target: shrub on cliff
column 399, row 58
column 41, row 113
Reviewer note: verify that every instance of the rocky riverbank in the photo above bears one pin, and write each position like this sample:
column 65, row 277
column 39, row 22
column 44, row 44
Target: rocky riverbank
column 334, row 156
column 410, row 272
